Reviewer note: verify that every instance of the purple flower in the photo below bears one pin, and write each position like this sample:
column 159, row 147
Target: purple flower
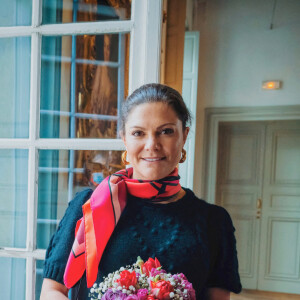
column 176, row 277
column 190, row 289
column 187, row 284
column 181, row 275
column 192, row 294
column 132, row 297
column 142, row 294
column 110, row 295
column 155, row 272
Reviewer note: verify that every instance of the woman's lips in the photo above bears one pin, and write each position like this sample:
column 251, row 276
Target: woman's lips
column 153, row 159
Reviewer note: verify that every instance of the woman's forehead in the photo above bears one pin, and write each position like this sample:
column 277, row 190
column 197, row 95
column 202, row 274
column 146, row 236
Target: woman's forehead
column 153, row 109
column 152, row 112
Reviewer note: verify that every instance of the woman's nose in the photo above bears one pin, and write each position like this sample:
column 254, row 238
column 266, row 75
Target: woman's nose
column 152, row 143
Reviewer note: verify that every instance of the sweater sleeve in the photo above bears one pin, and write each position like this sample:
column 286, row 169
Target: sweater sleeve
column 61, row 242
column 223, row 263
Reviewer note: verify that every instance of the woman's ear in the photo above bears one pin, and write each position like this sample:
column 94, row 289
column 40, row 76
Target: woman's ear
column 185, row 134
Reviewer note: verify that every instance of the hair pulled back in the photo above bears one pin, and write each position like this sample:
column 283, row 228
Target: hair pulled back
column 152, row 93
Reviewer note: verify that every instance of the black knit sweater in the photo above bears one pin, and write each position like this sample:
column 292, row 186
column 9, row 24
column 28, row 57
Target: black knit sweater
column 189, row 236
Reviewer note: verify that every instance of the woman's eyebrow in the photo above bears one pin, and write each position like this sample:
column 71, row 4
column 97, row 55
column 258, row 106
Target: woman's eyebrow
column 166, row 124
column 140, row 127
column 135, row 126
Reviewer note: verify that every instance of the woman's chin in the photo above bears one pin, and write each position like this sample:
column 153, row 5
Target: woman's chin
column 151, row 175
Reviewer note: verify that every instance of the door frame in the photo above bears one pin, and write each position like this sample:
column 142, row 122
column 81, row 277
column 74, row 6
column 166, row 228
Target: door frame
column 213, row 116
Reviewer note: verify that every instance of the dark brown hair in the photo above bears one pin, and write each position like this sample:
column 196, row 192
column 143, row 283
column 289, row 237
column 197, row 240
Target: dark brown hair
column 155, row 92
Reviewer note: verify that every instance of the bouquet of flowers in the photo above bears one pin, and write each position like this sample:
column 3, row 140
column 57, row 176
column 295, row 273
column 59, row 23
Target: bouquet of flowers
column 143, row 281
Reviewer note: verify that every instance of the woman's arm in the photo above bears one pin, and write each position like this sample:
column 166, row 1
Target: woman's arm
column 53, row 290
column 218, row 294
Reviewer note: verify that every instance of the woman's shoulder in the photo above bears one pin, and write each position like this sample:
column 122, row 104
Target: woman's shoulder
column 81, row 197
column 212, row 210
column 195, row 201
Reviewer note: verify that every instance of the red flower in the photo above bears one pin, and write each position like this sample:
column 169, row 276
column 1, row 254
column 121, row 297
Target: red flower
column 161, row 289
column 127, row 279
column 149, row 265
column 151, row 297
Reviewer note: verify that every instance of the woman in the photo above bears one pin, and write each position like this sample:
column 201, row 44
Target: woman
column 155, row 216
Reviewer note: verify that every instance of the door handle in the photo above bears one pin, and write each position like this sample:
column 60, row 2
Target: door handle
column 258, row 206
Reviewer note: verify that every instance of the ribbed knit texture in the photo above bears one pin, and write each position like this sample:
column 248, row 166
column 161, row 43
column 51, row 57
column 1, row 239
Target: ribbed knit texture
column 188, row 236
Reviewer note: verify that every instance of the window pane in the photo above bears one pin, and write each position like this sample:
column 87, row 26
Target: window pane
column 15, row 12
column 12, row 281
column 39, row 265
column 68, row 11
column 14, row 87
column 13, row 197
column 84, row 80
column 62, row 173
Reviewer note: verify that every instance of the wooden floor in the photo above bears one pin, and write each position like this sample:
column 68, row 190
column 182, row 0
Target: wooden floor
column 259, row 295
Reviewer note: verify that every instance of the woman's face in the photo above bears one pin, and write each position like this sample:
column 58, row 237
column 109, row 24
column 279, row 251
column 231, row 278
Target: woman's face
column 153, row 139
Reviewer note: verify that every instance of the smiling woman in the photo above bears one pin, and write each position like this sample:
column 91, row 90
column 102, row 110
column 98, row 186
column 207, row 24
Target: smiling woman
column 154, row 130
column 154, row 140
column 144, row 211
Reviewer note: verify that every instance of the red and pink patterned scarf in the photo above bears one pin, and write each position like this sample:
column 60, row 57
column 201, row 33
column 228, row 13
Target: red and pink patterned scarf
column 101, row 214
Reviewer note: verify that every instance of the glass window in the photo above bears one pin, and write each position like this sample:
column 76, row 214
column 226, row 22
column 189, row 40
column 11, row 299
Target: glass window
column 68, row 11
column 63, row 173
column 12, row 281
column 15, row 87
column 83, row 82
column 80, row 78
column 13, row 197
column 15, row 12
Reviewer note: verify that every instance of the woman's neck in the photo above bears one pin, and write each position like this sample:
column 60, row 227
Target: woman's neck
column 175, row 198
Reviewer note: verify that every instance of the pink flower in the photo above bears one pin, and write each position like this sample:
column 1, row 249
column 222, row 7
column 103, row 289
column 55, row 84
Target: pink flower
column 190, row 289
column 142, row 294
column 132, row 297
column 161, row 289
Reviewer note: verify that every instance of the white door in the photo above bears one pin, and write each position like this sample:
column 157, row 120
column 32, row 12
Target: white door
column 279, row 264
column 239, row 185
column 259, row 184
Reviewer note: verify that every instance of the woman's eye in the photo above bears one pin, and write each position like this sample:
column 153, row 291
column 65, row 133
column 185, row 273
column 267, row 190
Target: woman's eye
column 137, row 133
column 167, row 131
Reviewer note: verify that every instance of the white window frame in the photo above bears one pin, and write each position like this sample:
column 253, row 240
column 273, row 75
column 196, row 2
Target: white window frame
column 144, row 65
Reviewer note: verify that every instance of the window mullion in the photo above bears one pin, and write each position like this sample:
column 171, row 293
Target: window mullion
column 33, row 135
column 153, row 41
column 30, row 278
column 14, row 143
column 36, row 13
column 81, row 144
column 121, row 72
column 22, row 253
column 144, row 62
column 87, row 28
column 100, row 27
column 33, row 161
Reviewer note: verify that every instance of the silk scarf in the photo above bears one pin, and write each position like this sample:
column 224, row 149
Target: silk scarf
column 101, row 214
